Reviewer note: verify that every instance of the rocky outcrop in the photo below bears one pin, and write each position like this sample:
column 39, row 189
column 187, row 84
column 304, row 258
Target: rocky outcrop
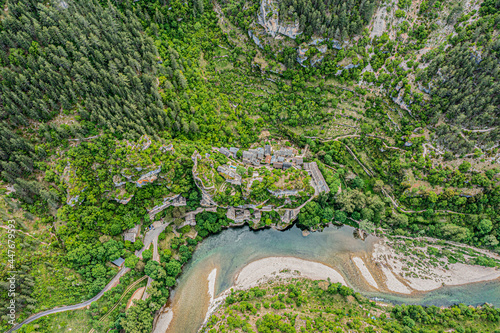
column 255, row 39
column 148, row 177
column 269, row 19
column 206, row 198
column 124, row 201
column 301, row 55
column 316, row 60
column 239, row 215
column 176, row 201
column 72, row 201
column 322, row 48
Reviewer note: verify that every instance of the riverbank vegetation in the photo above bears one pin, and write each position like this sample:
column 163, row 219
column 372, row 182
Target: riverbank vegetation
column 301, row 305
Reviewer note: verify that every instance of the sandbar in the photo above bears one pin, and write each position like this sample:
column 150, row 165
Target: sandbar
column 262, row 270
column 360, row 264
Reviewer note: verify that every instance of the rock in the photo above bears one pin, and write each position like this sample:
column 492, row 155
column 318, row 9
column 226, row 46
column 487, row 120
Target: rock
column 255, row 39
column 336, row 44
column 379, row 23
column 350, row 66
column 322, row 48
column 316, row 60
column 301, row 55
column 305, row 233
column 268, row 18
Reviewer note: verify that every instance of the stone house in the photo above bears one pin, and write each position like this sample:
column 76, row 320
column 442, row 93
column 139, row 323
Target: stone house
column 131, row 234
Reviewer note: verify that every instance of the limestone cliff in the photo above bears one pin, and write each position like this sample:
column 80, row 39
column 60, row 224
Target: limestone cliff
column 269, row 19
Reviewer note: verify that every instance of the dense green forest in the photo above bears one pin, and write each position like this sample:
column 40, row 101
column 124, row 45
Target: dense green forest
column 464, row 80
column 79, row 55
column 72, row 58
column 406, row 135
column 335, row 19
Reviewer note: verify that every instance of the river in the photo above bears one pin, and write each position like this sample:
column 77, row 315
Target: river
column 234, row 248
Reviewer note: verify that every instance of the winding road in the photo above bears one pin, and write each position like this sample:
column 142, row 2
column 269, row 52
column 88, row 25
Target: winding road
column 150, row 237
column 117, row 277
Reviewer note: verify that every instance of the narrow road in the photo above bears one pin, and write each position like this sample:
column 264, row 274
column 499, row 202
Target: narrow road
column 156, row 255
column 396, row 205
column 344, row 136
column 389, row 147
column 365, row 169
column 151, row 237
column 122, row 271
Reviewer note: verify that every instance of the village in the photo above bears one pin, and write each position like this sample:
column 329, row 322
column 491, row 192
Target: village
column 281, row 159
column 264, row 185
column 246, row 170
column 248, row 185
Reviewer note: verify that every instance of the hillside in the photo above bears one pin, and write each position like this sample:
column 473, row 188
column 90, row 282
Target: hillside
column 121, row 116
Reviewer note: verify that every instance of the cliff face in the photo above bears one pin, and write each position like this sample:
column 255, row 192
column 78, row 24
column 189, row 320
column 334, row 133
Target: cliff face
column 269, row 19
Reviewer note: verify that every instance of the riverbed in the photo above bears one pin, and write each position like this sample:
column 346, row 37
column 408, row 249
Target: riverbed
column 224, row 255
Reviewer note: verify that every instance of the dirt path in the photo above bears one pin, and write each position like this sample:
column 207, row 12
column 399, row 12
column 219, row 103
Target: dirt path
column 121, row 298
column 425, row 150
column 479, row 130
column 389, row 147
column 425, row 145
column 135, row 296
column 366, row 169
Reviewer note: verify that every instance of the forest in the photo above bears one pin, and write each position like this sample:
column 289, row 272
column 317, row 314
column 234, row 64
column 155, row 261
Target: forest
column 335, row 19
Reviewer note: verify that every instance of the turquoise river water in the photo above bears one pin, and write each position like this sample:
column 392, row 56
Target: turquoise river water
column 234, row 248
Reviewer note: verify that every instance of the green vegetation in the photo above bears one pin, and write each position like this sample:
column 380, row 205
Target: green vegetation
column 44, row 280
column 318, row 306
column 403, row 124
column 336, row 19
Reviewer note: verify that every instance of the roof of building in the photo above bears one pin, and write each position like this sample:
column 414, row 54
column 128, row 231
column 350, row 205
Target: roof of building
column 298, row 160
column 223, row 150
column 118, row 262
column 129, row 236
column 248, row 154
column 284, row 152
column 278, row 165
